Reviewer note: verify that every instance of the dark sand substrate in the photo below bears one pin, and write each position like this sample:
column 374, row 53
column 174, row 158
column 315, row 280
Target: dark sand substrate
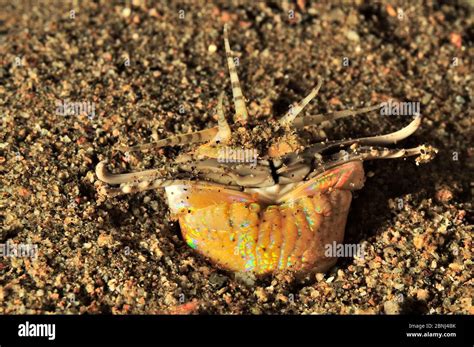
column 124, row 255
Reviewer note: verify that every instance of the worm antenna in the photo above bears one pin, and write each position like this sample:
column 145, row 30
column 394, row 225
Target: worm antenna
column 301, row 122
column 105, row 176
column 241, row 114
column 178, row 140
column 224, row 133
column 295, row 110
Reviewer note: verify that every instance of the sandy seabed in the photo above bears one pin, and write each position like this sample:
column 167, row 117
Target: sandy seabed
column 152, row 70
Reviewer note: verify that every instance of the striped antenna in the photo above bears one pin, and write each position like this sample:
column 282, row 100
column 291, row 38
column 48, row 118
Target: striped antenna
column 241, row 114
column 224, row 133
column 295, row 110
column 177, row 140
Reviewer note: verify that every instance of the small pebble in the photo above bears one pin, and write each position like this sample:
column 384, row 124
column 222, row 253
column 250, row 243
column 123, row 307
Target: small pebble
column 444, row 195
column 212, row 48
column 352, row 35
column 391, row 307
column 126, row 12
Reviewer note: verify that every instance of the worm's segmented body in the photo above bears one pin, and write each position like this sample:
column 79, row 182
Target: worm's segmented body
column 242, row 234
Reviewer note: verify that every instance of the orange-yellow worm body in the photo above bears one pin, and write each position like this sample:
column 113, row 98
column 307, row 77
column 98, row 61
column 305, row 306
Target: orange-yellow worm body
column 240, row 234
